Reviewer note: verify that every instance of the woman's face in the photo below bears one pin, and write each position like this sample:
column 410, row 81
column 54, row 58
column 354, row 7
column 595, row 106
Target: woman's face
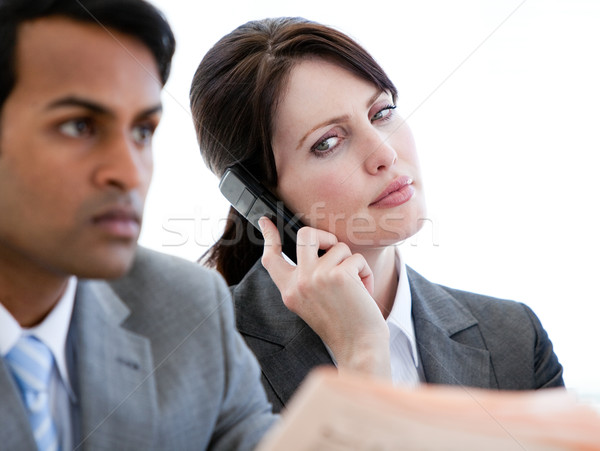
column 345, row 160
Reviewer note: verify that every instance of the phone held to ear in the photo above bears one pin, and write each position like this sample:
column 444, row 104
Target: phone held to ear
column 252, row 200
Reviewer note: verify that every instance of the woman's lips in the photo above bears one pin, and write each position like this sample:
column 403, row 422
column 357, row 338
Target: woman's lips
column 397, row 193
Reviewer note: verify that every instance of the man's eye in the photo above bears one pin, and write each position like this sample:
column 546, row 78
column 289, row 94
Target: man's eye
column 142, row 134
column 77, row 128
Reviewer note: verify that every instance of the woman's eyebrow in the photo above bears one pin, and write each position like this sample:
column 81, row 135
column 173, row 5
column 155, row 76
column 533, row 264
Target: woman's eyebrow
column 342, row 118
column 322, row 124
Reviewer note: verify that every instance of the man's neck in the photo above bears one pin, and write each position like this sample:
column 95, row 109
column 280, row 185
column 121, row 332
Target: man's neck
column 29, row 292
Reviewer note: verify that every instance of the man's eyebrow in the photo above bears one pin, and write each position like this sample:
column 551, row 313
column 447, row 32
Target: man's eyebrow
column 79, row 102
column 95, row 107
column 150, row 111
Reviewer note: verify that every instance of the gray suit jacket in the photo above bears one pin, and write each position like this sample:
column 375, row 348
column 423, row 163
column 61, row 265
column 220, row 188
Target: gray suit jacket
column 155, row 363
column 462, row 338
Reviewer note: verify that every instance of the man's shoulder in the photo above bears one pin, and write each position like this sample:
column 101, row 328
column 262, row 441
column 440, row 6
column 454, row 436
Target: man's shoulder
column 150, row 263
column 164, row 279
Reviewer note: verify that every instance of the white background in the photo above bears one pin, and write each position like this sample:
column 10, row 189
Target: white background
column 504, row 101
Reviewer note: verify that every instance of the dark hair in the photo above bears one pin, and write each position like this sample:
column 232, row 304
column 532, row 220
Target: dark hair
column 136, row 18
column 234, row 94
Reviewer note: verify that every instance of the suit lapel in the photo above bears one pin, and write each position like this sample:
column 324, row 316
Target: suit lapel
column 15, row 432
column 265, row 321
column 287, row 368
column 450, row 344
column 114, row 386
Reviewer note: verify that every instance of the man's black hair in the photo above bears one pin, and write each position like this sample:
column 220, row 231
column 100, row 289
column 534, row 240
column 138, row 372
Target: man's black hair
column 136, row 18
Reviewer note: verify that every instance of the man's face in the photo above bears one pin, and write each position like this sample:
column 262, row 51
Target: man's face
column 75, row 149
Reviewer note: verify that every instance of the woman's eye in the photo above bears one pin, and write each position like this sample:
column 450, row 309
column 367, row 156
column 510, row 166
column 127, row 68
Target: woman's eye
column 142, row 134
column 326, row 144
column 384, row 113
column 77, row 128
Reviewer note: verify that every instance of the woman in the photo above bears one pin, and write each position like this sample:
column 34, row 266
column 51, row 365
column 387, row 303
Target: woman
column 309, row 112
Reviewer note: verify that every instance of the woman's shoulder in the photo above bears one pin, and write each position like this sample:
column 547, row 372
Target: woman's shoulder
column 508, row 330
column 435, row 298
column 256, row 282
column 259, row 309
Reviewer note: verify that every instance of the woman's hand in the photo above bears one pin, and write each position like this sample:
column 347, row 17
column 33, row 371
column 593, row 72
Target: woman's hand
column 333, row 295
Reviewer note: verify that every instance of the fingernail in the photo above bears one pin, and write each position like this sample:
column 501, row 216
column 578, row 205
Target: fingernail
column 261, row 224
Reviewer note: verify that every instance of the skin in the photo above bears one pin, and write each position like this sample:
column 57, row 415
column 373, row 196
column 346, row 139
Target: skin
column 75, row 160
column 338, row 146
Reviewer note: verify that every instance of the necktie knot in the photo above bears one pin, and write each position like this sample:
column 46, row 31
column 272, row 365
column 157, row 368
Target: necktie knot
column 31, row 363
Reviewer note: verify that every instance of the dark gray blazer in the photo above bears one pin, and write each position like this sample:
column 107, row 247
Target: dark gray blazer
column 156, row 364
column 462, row 338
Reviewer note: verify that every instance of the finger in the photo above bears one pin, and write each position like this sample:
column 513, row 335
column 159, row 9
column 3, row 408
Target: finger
column 358, row 263
column 272, row 259
column 309, row 241
column 337, row 254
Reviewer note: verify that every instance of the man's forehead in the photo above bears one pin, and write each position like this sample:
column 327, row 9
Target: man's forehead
column 60, row 42
column 59, row 58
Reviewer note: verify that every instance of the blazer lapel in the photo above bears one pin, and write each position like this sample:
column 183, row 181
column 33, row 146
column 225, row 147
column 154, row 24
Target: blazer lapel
column 15, row 432
column 265, row 321
column 450, row 344
column 287, row 368
column 114, row 382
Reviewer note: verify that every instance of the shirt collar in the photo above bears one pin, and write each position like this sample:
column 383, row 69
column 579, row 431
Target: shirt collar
column 10, row 331
column 52, row 331
column 400, row 318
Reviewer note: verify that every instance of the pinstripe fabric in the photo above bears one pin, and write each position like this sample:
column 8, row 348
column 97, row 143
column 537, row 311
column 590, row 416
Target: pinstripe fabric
column 31, row 364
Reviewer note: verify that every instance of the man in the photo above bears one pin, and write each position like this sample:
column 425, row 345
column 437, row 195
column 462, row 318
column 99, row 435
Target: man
column 149, row 360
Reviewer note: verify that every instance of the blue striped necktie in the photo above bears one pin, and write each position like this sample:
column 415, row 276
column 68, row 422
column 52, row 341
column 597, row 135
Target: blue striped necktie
column 31, row 363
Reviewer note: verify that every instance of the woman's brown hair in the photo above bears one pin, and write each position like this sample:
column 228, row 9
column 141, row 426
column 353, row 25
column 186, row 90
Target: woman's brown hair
column 234, row 94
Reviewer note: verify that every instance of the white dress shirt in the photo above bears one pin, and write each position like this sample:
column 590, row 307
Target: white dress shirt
column 406, row 369
column 52, row 331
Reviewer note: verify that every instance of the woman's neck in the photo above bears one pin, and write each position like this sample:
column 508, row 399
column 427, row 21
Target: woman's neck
column 382, row 262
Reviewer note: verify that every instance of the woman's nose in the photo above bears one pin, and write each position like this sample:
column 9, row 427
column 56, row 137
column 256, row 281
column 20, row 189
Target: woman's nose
column 379, row 154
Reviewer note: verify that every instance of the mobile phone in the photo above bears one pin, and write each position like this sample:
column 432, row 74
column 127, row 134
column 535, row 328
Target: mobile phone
column 253, row 200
